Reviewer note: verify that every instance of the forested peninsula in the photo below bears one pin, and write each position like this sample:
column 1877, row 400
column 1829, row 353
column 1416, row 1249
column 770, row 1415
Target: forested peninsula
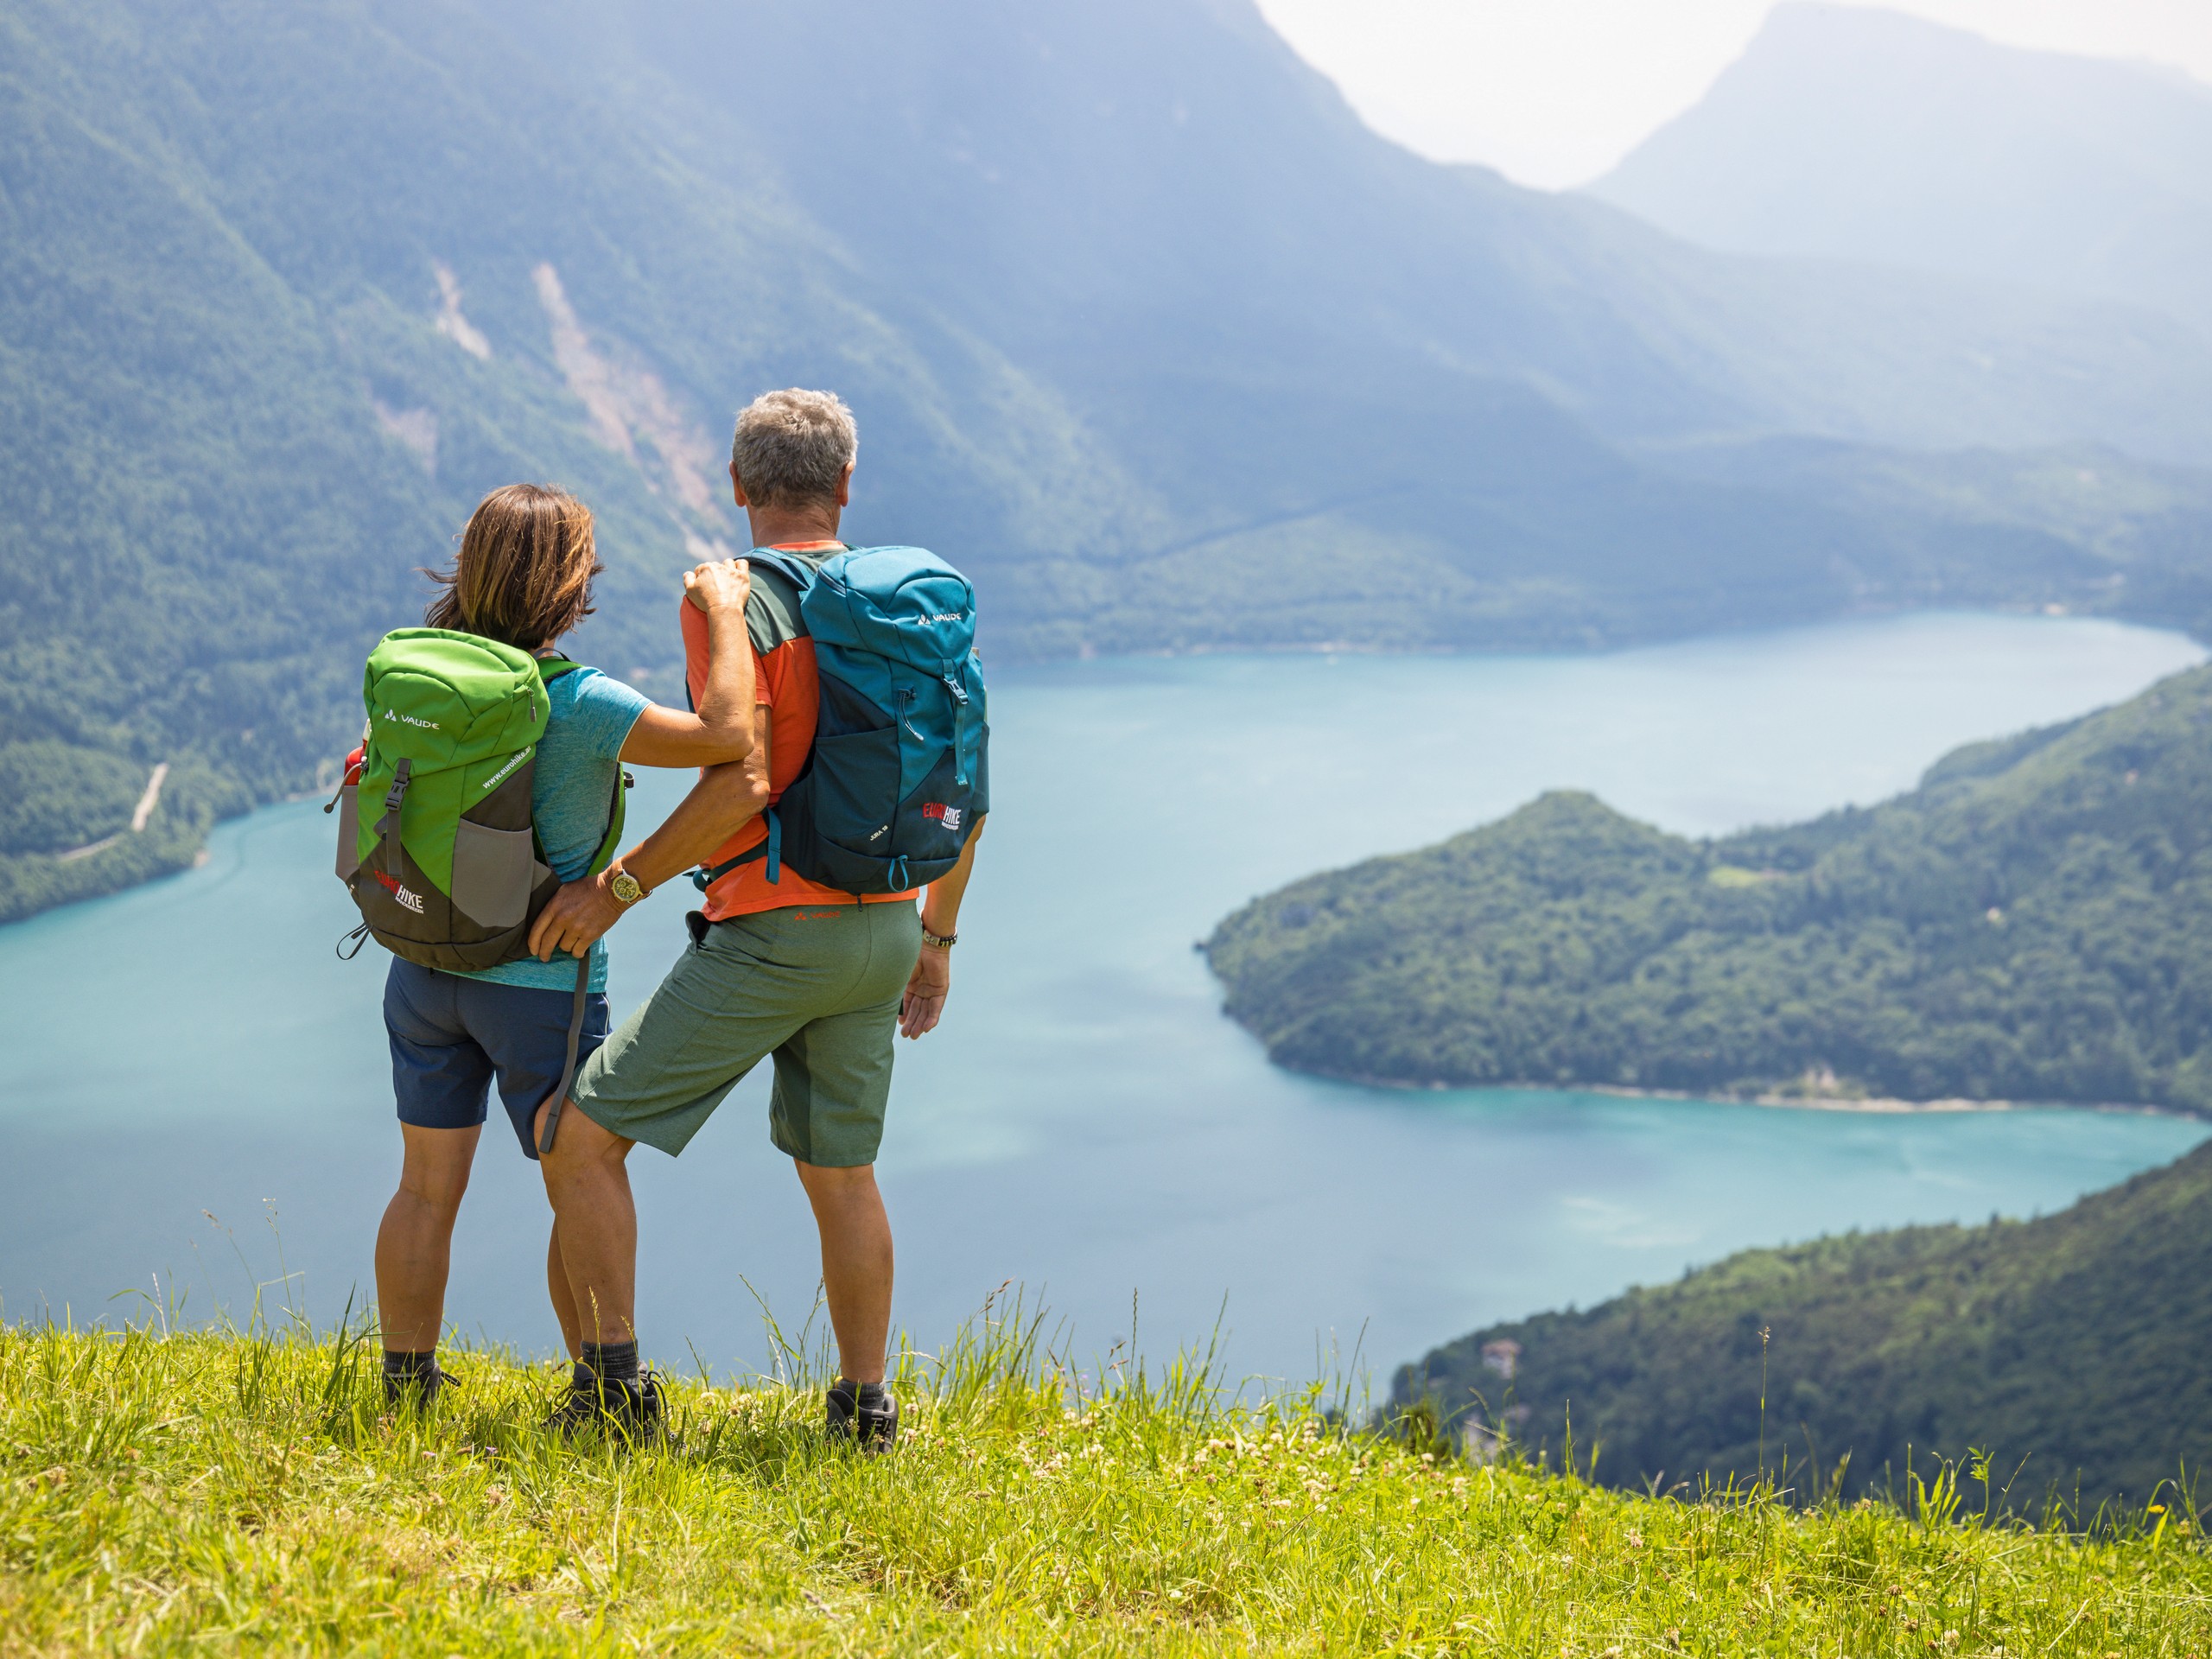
column 2026, row 925
column 2067, row 1348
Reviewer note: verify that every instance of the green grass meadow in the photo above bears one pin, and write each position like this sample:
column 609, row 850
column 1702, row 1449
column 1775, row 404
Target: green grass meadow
column 219, row 1491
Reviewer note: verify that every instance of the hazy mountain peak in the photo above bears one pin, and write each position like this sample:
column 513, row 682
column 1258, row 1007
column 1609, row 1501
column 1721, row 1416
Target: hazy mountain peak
column 1844, row 132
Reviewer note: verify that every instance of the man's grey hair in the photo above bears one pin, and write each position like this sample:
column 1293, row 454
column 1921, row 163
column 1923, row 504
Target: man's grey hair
column 793, row 446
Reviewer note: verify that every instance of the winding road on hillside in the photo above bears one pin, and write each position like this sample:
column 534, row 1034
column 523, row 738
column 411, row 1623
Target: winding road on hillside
column 140, row 815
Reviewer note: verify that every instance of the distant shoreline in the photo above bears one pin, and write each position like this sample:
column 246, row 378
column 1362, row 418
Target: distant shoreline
column 1879, row 1105
column 1888, row 1105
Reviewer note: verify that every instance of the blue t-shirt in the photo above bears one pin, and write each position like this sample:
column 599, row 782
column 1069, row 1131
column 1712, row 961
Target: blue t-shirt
column 577, row 764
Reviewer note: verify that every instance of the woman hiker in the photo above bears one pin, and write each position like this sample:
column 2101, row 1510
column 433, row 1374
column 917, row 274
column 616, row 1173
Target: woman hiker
column 524, row 577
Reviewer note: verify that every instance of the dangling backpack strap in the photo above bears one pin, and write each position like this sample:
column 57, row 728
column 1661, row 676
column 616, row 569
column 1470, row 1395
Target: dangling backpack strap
column 617, row 811
column 560, row 1094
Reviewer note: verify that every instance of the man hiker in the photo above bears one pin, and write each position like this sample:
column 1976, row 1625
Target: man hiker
column 816, row 975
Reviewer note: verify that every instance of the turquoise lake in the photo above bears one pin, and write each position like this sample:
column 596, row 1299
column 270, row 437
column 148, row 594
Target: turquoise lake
column 1086, row 1124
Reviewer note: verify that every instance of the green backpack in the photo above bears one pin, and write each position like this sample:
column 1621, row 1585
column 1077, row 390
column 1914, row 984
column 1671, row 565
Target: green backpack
column 449, row 872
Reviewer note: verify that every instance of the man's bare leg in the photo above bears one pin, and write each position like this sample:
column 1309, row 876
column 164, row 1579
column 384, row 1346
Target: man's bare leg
column 564, row 1298
column 857, row 1264
column 595, row 1226
column 414, row 1243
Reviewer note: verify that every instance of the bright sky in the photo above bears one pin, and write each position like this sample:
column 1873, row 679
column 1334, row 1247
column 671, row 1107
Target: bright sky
column 1553, row 93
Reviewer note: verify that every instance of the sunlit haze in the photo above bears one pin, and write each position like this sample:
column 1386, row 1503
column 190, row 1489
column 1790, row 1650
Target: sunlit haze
column 1553, row 93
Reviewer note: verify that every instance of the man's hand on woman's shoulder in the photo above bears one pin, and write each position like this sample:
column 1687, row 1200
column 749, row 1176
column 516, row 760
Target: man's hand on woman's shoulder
column 719, row 585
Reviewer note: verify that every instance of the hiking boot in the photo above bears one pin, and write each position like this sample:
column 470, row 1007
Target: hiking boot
column 418, row 1389
column 864, row 1412
column 611, row 1405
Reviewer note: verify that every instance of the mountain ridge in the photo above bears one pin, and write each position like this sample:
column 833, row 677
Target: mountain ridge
column 1157, row 358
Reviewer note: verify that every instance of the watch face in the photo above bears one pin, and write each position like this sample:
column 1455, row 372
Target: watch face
column 625, row 887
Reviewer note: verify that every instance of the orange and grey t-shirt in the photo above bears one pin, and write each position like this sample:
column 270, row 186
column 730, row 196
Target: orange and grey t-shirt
column 787, row 689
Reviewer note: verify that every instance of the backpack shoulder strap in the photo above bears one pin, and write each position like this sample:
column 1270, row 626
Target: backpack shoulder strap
column 551, row 668
column 617, row 813
column 778, row 609
column 796, row 571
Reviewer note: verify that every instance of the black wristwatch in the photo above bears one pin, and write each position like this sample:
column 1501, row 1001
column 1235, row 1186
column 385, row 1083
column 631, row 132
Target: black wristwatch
column 939, row 942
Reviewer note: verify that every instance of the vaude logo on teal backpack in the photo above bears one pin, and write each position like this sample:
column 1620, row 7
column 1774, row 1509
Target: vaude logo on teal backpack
column 901, row 767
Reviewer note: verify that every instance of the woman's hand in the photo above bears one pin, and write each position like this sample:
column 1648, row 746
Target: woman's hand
column 719, row 585
column 722, row 725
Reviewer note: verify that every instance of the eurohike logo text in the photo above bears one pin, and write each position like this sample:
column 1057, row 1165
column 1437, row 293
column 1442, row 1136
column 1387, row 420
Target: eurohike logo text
column 407, row 899
column 948, row 816
column 495, row 778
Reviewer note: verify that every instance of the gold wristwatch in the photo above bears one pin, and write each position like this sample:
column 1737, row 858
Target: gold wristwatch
column 624, row 886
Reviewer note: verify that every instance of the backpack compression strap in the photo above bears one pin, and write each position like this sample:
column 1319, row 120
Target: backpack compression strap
column 772, row 850
column 388, row 825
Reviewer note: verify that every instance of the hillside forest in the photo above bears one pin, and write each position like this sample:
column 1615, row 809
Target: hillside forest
column 2064, row 1354
column 1146, row 332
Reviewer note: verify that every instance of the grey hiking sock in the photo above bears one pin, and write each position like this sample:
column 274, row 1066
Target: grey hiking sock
column 612, row 1362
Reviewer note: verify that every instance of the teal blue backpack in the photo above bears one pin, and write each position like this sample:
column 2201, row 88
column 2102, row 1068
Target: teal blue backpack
column 899, row 770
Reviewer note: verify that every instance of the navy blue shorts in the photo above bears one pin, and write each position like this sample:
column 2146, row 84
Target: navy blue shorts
column 451, row 1036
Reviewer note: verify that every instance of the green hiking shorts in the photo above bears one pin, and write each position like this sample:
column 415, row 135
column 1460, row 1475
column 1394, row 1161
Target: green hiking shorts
column 816, row 986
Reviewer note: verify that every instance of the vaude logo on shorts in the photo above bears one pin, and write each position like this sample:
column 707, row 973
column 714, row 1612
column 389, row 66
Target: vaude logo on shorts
column 409, row 719
column 948, row 816
column 408, row 899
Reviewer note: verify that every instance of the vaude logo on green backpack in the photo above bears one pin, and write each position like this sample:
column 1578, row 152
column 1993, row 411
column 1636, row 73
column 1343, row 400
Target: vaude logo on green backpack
column 445, row 866
column 900, row 767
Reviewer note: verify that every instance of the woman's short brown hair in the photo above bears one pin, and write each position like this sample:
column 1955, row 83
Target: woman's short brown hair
column 524, row 573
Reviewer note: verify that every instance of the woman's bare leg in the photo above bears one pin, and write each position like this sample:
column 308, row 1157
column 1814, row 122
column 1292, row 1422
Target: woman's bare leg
column 414, row 1244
